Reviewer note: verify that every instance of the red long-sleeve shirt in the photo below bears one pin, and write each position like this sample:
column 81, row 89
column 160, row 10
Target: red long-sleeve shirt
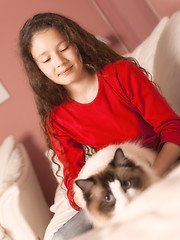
column 127, row 107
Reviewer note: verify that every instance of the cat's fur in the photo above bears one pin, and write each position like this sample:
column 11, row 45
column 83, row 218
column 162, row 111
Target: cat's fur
column 111, row 178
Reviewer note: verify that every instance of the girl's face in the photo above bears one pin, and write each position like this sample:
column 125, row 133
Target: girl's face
column 56, row 58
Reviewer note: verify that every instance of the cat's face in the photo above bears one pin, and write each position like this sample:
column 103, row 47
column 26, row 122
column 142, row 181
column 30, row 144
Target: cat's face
column 111, row 189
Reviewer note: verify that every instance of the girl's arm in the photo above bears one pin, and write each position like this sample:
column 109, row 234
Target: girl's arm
column 169, row 153
column 71, row 154
column 155, row 110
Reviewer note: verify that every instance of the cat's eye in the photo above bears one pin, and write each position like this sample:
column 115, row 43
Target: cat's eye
column 108, row 198
column 126, row 184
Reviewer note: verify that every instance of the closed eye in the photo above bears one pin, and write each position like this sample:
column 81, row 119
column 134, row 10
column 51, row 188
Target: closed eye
column 47, row 60
column 64, row 49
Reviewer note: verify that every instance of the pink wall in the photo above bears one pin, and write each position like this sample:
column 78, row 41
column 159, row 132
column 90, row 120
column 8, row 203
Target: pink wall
column 121, row 21
column 165, row 7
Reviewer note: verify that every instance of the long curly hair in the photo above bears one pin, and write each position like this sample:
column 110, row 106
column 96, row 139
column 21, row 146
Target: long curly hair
column 93, row 52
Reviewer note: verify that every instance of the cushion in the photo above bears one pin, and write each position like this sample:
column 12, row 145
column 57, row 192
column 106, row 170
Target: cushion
column 11, row 163
column 167, row 62
column 145, row 52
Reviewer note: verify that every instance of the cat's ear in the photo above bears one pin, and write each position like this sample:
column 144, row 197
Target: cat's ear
column 85, row 184
column 120, row 159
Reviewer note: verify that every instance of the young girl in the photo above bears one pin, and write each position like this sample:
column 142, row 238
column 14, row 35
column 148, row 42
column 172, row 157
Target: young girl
column 88, row 95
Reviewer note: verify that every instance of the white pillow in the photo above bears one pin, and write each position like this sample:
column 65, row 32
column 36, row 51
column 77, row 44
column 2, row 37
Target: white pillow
column 167, row 62
column 11, row 163
column 145, row 52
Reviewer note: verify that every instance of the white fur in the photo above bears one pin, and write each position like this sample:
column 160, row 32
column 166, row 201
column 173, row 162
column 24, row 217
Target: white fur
column 142, row 156
column 121, row 199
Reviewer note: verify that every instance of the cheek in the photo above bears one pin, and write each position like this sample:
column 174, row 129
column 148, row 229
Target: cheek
column 47, row 70
column 76, row 55
column 79, row 58
column 75, row 58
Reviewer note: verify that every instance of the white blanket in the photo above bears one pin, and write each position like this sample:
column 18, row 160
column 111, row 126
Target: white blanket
column 154, row 215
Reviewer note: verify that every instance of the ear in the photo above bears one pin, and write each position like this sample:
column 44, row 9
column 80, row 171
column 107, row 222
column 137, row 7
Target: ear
column 85, row 184
column 120, row 160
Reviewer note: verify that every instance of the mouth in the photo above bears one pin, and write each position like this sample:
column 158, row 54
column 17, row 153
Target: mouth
column 65, row 72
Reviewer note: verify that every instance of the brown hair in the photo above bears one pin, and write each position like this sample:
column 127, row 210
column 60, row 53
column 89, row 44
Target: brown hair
column 93, row 52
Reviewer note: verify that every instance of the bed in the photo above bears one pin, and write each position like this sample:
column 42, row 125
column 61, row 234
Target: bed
column 155, row 214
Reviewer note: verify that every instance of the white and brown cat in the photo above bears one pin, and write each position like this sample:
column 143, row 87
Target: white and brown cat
column 111, row 178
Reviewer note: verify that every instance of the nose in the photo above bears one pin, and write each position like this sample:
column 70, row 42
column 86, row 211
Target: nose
column 59, row 60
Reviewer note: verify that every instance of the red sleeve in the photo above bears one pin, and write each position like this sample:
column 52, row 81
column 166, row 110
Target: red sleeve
column 71, row 155
column 149, row 102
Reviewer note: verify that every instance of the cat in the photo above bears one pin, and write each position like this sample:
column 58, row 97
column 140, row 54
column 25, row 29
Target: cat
column 111, row 178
